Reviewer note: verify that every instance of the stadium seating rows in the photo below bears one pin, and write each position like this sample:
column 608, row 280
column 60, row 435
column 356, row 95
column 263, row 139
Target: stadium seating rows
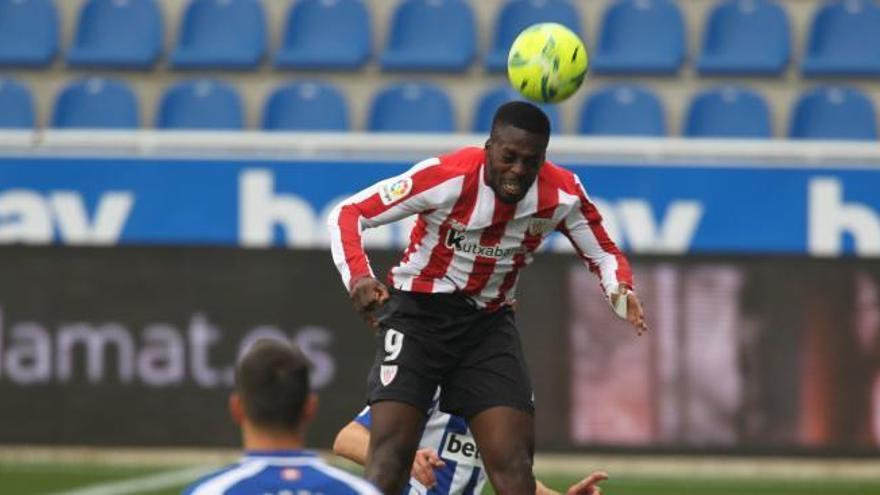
column 741, row 37
column 825, row 112
column 635, row 37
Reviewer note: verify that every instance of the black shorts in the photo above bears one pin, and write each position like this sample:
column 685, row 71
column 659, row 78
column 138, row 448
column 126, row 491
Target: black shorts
column 428, row 340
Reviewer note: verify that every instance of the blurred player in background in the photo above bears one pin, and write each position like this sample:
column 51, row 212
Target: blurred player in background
column 273, row 404
column 447, row 462
column 447, row 320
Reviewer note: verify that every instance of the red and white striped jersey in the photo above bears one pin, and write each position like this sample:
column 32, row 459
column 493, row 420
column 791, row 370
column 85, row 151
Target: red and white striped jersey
column 467, row 240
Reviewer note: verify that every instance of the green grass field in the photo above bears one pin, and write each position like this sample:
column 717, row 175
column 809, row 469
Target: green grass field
column 34, row 478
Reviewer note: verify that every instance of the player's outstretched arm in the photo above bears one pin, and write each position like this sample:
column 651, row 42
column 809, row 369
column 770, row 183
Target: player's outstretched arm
column 586, row 486
column 382, row 203
column 583, row 227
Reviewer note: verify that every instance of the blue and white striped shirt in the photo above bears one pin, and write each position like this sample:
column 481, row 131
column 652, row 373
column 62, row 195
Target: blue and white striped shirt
column 450, row 436
column 289, row 472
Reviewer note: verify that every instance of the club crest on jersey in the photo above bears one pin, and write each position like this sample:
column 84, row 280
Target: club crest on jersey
column 394, row 190
column 387, row 372
column 541, row 226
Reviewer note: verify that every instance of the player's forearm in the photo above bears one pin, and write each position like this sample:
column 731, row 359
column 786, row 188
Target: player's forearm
column 352, row 443
column 600, row 255
column 614, row 271
column 585, row 230
column 346, row 244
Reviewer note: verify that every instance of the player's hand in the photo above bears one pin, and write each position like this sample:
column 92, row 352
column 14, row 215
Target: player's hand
column 367, row 294
column 630, row 308
column 425, row 462
column 588, row 485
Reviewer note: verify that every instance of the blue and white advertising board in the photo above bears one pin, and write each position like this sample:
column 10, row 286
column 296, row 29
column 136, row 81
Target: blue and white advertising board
column 668, row 209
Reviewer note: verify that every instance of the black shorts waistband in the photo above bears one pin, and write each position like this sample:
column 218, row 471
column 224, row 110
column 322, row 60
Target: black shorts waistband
column 453, row 303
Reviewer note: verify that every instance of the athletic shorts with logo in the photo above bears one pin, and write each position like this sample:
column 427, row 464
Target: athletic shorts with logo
column 428, row 340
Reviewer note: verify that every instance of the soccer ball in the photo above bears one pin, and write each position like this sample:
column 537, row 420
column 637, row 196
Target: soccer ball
column 547, row 62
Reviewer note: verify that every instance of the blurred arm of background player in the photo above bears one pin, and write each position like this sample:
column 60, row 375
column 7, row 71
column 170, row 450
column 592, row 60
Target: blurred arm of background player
column 352, row 442
column 353, row 439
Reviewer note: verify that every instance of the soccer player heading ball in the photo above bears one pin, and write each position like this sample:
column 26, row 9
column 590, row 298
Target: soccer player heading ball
column 447, row 318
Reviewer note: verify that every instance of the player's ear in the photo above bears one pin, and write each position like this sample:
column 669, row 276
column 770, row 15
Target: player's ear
column 310, row 408
column 236, row 408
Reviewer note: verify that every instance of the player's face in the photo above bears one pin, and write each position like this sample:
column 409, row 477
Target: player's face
column 514, row 158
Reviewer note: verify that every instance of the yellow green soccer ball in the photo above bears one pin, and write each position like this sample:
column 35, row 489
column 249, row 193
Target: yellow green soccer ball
column 547, row 62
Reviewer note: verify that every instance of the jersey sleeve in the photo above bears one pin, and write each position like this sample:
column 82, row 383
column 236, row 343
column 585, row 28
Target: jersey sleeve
column 583, row 227
column 365, row 418
column 412, row 192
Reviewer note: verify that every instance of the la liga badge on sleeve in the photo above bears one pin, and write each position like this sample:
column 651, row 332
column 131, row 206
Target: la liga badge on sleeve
column 395, row 190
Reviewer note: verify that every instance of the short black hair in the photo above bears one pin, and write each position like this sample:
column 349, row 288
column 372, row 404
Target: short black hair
column 522, row 115
column 272, row 379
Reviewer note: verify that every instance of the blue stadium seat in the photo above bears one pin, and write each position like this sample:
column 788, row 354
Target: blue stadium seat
column 28, row 33
column 640, row 36
column 200, row 104
column 431, row 35
column 326, row 34
column 411, row 107
column 745, row 37
column 221, row 34
column 833, row 112
column 517, row 15
column 495, row 97
column 844, row 40
column 624, row 110
column 96, row 103
column 16, row 105
column 728, row 112
column 117, row 33
column 306, row 106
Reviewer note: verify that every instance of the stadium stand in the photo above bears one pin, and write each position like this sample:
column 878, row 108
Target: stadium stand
column 123, row 34
column 833, row 112
column 96, row 103
column 640, row 36
column 412, row 107
column 495, row 97
column 221, row 34
column 431, row 35
column 745, row 37
column 28, row 33
column 516, row 15
column 336, row 40
column 200, row 104
column 326, row 34
column 623, row 110
column 306, row 106
column 728, row 112
column 844, row 40
column 16, row 105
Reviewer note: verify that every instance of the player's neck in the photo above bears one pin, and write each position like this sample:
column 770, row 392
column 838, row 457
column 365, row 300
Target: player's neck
column 259, row 439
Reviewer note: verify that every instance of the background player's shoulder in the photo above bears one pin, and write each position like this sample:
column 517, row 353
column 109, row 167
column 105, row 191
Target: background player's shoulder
column 330, row 479
column 207, row 481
